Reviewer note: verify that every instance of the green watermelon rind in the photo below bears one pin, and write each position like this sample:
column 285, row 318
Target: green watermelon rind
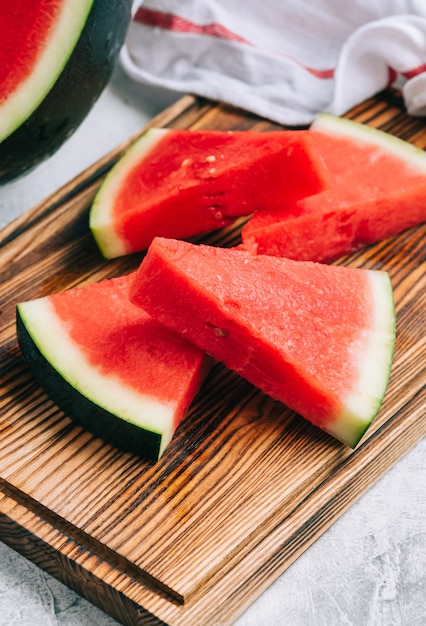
column 344, row 127
column 20, row 105
column 101, row 225
column 100, row 403
column 376, row 350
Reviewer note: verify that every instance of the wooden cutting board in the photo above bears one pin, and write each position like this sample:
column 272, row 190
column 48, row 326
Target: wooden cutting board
column 246, row 485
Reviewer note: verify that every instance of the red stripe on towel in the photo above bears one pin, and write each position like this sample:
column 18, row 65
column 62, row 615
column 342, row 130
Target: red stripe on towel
column 175, row 23
column 169, row 21
column 414, row 72
column 392, row 75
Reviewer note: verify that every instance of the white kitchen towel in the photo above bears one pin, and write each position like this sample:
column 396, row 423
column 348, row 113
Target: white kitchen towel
column 285, row 60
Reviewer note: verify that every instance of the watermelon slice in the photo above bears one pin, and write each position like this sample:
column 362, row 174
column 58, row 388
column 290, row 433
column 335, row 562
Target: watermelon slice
column 378, row 190
column 317, row 337
column 109, row 365
column 181, row 183
column 56, row 56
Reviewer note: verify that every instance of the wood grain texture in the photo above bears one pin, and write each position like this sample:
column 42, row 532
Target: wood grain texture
column 246, row 485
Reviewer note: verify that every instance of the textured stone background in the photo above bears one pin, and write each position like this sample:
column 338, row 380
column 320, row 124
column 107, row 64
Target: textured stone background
column 369, row 569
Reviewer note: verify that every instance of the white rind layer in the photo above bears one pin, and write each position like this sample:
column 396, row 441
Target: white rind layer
column 343, row 127
column 24, row 101
column 374, row 353
column 101, row 223
column 105, row 391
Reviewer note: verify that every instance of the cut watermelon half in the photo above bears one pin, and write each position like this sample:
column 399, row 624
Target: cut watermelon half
column 56, row 56
column 182, row 183
column 318, row 338
column 378, row 190
column 110, row 366
column 37, row 41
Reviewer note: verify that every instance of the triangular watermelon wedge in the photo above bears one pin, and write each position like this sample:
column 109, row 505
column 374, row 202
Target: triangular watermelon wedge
column 110, row 366
column 318, row 338
column 182, row 183
column 378, row 190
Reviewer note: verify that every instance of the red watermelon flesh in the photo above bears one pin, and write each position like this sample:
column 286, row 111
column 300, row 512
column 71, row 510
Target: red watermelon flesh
column 181, row 183
column 318, row 338
column 17, row 57
column 113, row 354
column 378, row 190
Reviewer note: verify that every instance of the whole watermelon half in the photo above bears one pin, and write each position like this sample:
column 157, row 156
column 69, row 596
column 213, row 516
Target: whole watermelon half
column 56, row 57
